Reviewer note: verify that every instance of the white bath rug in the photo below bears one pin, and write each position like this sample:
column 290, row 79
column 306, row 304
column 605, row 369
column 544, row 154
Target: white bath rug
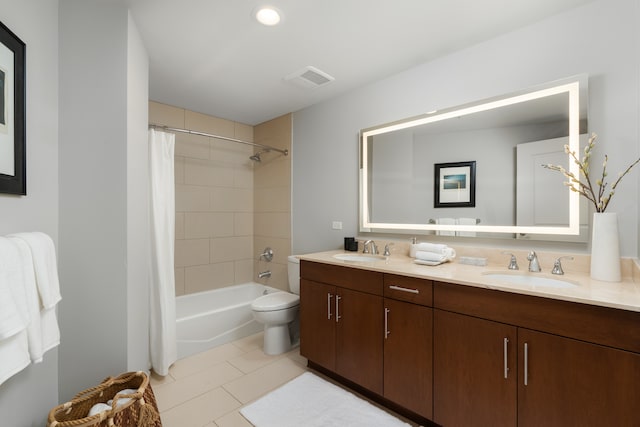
column 309, row 401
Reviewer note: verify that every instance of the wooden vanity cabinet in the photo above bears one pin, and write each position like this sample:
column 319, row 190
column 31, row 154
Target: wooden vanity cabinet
column 576, row 364
column 408, row 343
column 341, row 321
column 475, row 371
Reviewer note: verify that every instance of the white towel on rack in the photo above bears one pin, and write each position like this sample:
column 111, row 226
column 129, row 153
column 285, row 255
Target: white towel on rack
column 466, row 221
column 35, row 336
column 45, row 266
column 445, row 221
column 45, row 270
column 14, row 354
column 14, row 316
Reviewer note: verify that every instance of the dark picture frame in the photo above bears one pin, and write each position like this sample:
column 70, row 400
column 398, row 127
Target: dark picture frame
column 13, row 163
column 454, row 185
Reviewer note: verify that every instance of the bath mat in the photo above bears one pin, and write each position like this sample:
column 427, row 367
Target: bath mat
column 310, row 401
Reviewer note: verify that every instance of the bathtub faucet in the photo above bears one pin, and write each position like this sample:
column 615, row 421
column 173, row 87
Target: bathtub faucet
column 264, row 274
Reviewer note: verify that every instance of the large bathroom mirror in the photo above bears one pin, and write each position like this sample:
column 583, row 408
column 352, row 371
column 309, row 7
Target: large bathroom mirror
column 476, row 169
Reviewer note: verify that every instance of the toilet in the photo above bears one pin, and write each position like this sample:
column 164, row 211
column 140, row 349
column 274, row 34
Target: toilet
column 278, row 311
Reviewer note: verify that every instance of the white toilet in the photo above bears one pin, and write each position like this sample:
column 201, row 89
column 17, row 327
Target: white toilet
column 278, row 310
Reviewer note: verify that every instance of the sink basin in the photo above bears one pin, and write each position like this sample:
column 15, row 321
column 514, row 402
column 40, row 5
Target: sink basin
column 360, row 257
column 531, row 280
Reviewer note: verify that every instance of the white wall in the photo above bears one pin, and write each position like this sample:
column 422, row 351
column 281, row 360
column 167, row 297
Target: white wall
column 137, row 200
column 103, row 210
column 25, row 399
column 600, row 39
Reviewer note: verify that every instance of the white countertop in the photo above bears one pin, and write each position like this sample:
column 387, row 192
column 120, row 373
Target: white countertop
column 624, row 295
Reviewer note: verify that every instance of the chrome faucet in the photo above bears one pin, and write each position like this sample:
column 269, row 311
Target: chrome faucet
column 387, row 251
column 557, row 266
column 373, row 250
column 264, row 274
column 513, row 263
column 534, row 265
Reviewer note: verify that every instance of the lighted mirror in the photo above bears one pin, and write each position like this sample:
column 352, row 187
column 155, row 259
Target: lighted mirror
column 476, row 169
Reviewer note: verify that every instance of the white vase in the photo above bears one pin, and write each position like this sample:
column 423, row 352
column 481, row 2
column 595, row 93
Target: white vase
column 605, row 247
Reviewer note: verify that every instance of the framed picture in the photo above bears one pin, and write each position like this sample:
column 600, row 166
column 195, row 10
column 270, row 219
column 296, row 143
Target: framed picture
column 13, row 171
column 455, row 185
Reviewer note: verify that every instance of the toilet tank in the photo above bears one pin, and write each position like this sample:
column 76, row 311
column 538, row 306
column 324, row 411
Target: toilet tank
column 293, row 269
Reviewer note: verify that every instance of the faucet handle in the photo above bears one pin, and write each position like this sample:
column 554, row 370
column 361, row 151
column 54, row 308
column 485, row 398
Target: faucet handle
column 513, row 263
column 557, row 265
column 387, row 252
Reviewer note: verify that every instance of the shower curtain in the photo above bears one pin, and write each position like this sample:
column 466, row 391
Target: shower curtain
column 162, row 334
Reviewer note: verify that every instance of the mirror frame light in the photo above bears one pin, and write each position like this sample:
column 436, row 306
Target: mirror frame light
column 571, row 86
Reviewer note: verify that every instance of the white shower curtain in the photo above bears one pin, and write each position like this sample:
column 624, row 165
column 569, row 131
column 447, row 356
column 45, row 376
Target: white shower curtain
column 163, row 347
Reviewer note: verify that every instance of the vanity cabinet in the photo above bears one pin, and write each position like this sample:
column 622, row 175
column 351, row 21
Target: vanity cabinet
column 475, row 374
column 576, row 364
column 408, row 343
column 341, row 322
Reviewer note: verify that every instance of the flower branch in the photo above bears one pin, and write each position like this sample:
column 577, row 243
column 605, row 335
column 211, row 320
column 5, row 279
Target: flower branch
column 584, row 186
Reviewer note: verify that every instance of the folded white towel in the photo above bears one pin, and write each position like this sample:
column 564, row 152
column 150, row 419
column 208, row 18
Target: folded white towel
column 428, row 247
column 430, row 256
column 45, row 266
column 14, row 354
column 14, row 314
column 34, row 330
column 123, row 400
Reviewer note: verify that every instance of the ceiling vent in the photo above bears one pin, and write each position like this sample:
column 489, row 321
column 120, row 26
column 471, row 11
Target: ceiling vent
column 309, row 77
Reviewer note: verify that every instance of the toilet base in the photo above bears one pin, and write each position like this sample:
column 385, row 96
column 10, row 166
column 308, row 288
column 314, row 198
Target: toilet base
column 276, row 339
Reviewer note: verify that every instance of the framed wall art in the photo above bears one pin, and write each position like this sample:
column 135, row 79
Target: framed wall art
column 12, row 114
column 455, row 185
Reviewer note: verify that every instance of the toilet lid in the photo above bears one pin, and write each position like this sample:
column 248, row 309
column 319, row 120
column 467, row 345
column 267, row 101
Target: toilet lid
column 275, row 301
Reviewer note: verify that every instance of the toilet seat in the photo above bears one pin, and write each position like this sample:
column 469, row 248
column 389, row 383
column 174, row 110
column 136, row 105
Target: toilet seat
column 275, row 301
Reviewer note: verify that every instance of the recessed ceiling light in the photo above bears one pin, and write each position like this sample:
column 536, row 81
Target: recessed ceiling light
column 268, row 15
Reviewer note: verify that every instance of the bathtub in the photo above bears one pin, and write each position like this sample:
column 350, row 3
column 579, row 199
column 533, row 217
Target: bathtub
column 207, row 319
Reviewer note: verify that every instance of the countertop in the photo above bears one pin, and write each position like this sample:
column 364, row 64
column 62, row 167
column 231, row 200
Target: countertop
column 624, row 295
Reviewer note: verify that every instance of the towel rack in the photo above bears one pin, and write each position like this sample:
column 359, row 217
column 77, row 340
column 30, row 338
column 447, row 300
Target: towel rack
column 433, row 221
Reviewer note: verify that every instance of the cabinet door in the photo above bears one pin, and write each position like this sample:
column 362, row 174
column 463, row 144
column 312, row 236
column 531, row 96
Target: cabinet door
column 318, row 323
column 359, row 338
column 474, row 371
column 573, row 383
column 408, row 352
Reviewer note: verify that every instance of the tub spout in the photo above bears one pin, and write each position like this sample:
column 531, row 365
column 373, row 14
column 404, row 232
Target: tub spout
column 264, row 274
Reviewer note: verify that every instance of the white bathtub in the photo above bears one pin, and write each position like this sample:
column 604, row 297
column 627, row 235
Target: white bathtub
column 207, row 319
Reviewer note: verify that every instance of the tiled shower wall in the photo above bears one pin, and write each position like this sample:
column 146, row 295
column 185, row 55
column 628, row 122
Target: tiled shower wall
column 215, row 215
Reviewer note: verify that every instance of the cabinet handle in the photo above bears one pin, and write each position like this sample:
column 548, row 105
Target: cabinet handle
column 526, row 364
column 506, row 363
column 338, row 317
column 329, row 296
column 386, row 323
column 400, row 288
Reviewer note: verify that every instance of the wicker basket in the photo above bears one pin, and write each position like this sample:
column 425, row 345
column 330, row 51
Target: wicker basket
column 140, row 411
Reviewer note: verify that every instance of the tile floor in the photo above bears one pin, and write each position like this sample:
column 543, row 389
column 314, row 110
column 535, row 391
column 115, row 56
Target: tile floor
column 208, row 389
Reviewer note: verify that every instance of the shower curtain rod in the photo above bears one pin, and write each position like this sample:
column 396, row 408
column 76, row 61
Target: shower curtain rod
column 226, row 138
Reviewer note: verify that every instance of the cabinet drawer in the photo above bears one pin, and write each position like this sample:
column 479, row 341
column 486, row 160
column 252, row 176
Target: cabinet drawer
column 410, row 289
column 346, row 277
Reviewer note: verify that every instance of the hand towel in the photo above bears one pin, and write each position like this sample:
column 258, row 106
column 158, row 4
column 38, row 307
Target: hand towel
column 45, row 266
column 34, row 330
column 14, row 354
column 430, row 256
column 466, row 221
column 445, row 221
column 428, row 247
column 14, row 316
